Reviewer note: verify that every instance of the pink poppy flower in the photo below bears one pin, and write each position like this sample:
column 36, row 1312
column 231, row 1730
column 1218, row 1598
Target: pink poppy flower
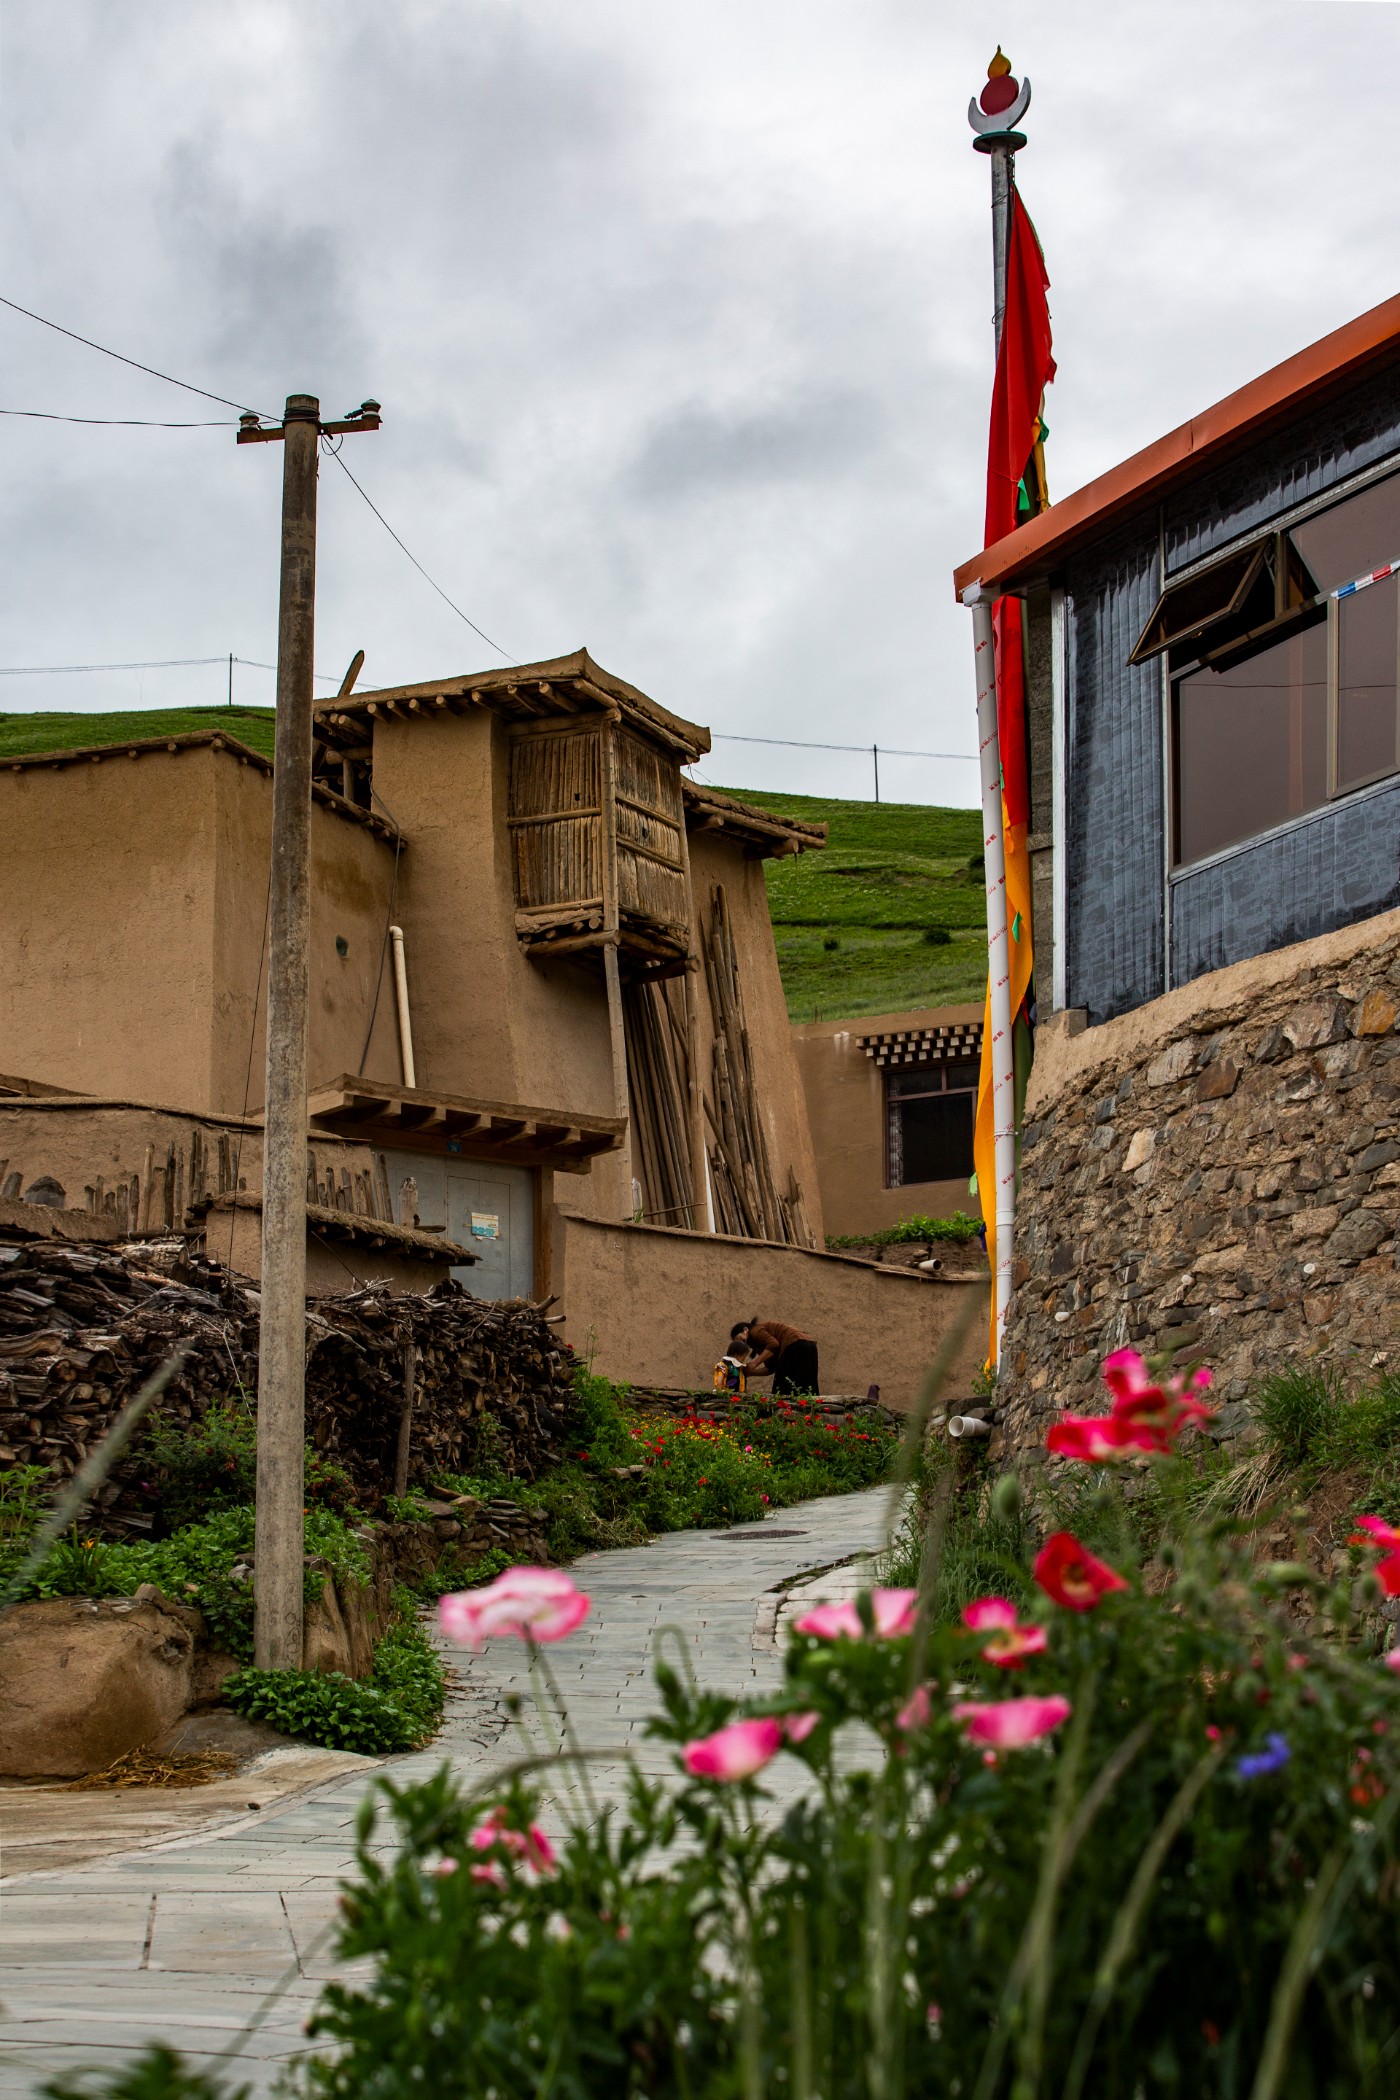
column 893, row 1610
column 1392, row 1660
column 530, row 1846
column 735, row 1752
column 998, row 1613
column 916, row 1709
column 1386, row 1538
column 797, row 1727
column 1011, row 1644
column 1009, row 1724
column 534, row 1604
column 1071, row 1575
column 491, row 1875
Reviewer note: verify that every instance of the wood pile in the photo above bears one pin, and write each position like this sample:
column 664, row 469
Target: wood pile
column 747, row 1201
column 81, row 1328
column 657, row 1085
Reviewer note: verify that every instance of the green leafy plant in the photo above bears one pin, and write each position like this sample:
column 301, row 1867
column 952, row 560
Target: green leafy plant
column 957, row 1231
column 196, row 1566
column 156, row 2074
column 398, row 1708
column 193, row 1469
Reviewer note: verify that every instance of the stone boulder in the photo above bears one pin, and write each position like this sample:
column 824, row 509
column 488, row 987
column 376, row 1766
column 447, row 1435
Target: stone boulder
column 83, row 1680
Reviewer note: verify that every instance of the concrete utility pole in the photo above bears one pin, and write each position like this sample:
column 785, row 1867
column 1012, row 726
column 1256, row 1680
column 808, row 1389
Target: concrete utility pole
column 993, row 117
column 278, row 1538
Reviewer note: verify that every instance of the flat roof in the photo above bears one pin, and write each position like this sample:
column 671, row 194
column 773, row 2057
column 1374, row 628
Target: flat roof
column 1324, row 368
column 191, row 740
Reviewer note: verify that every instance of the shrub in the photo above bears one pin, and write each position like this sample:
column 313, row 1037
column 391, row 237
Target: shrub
column 210, row 1464
column 156, row 2074
column 959, row 1230
column 398, row 1708
column 936, row 936
column 195, row 1566
column 1293, row 1408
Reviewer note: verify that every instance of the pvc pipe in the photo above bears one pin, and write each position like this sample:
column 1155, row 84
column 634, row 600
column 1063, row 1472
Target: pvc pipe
column 998, row 956
column 401, row 990
column 968, row 1425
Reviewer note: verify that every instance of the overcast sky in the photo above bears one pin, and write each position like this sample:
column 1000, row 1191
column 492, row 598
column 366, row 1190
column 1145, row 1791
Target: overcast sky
column 679, row 313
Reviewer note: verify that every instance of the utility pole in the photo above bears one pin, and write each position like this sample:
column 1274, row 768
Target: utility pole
column 278, row 1536
column 875, row 754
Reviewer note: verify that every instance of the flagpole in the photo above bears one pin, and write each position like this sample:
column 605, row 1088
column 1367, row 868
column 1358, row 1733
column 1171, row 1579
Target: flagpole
column 1003, row 1203
column 993, row 117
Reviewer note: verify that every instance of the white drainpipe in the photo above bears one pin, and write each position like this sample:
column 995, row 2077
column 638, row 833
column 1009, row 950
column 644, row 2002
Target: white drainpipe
column 401, row 989
column 998, row 953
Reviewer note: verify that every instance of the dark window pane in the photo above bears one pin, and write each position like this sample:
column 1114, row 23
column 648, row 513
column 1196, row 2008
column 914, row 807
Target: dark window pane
column 931, row 1140
column 1366, row 666
column 1354, row 537
column 1251, row 743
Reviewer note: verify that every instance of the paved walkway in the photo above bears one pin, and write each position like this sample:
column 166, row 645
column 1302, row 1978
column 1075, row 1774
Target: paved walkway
column 194, row 1942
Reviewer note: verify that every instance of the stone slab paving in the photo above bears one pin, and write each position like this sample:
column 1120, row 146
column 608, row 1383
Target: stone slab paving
column 219, row 1943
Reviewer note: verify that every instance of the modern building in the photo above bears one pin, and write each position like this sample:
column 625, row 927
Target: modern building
column 1212, row 1151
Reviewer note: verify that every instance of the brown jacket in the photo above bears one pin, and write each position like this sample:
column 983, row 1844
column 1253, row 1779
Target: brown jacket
column 769, row 1338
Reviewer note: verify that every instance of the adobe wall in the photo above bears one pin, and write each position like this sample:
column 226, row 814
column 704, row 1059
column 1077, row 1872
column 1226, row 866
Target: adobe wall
column 107, row 925
column 352, row 872
column 143, row 1167
column 1219, row 1169
column 653, row 1306
column 845, row 1098
column 132, row 901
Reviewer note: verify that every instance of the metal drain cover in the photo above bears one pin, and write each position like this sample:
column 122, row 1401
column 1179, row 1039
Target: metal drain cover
column 764, row 1534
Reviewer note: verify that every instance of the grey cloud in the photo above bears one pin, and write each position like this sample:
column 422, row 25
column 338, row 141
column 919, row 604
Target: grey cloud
column 698, row 450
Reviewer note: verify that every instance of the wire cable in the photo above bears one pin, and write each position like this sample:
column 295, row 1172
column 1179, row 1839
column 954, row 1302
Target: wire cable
column 335, row 455
column 163, row 663
column 135, row 363
column 791, row 743
column 45, row 415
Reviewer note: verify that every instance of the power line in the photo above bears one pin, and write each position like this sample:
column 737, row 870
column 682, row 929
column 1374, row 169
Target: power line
column 792, row 743
column 164, row 663
column 134, row 363
column 335, row 455
column 44, row 415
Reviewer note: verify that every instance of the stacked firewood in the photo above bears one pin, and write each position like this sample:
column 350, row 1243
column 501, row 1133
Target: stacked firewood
column 80, row 1329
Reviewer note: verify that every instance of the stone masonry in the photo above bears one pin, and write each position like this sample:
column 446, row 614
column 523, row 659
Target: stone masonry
column 1218, row 1171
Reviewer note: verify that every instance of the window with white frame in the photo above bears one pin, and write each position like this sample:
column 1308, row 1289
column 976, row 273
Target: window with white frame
column 1285, row 672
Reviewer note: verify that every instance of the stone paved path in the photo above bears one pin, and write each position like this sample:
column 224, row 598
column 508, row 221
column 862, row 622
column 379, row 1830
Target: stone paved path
column 192, row 1942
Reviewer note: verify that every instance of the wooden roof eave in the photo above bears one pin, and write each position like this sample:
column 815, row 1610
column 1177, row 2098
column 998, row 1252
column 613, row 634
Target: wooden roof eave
column 378, row 1113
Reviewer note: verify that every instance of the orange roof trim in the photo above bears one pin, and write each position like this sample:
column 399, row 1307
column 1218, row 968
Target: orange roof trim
column 1324, row 368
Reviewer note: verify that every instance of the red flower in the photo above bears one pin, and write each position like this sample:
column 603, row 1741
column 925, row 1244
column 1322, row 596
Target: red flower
column 1071, row 1575
column 1145, row 1416
column 1376, row 1532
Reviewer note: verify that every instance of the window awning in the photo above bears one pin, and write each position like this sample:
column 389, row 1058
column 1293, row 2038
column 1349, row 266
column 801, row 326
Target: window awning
column 379, row 1113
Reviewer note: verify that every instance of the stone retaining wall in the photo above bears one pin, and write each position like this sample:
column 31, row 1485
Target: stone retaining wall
column 1219, row 1170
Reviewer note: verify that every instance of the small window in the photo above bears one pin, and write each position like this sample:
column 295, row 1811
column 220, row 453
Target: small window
column 1187, row 609
column 1271, row 719
column 929, row 1117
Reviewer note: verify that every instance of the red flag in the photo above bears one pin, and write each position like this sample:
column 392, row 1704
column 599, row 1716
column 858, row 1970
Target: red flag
column 1025, row 367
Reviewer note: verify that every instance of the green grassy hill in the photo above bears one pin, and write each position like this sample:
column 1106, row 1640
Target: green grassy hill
column 22, row 734
column 852, row 923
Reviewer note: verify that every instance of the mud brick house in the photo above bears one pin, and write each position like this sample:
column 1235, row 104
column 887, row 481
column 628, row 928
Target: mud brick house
column 891, row 1099
column 1212, row 1148
column 547, row 1026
